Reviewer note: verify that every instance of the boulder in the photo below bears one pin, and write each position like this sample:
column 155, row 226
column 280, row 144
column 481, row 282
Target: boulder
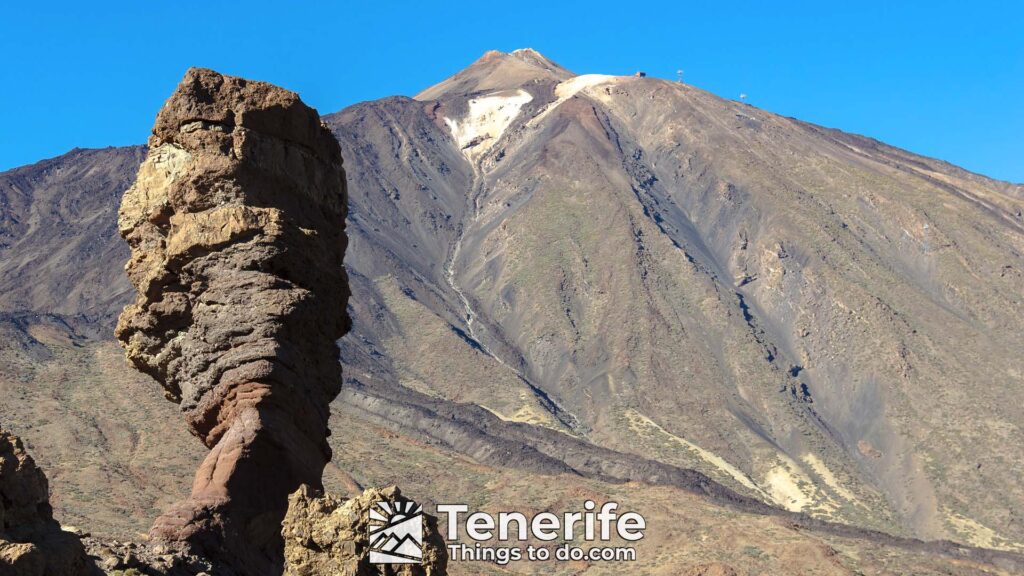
column 327, row 534
column 32, row 543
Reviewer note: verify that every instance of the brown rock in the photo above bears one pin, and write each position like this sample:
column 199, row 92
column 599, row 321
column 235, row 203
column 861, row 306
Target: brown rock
column 152, row 558
column 236, row 226
column 325, row 534
column 31, row 541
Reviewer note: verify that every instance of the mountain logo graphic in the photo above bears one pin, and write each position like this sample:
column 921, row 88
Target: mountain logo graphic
column 396, row 533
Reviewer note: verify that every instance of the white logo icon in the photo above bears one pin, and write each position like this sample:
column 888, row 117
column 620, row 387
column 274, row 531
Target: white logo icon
column 396, row 533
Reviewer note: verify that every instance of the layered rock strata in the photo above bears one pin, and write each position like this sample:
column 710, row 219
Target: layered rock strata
column 237, row 235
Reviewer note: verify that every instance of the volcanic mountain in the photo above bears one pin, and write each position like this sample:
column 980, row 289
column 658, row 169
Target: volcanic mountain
column 624, row 281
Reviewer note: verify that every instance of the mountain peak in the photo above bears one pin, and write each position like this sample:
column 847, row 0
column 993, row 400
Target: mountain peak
column 496, row 70
column 531, row 56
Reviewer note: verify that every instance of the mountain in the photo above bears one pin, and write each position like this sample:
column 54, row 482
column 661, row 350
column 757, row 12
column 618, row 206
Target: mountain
column 809, row 317
column 612, row 280
column 56, row 215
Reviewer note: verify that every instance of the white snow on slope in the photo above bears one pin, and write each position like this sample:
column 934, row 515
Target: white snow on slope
column 570, row 87
column 488, row 118
column 573, row 86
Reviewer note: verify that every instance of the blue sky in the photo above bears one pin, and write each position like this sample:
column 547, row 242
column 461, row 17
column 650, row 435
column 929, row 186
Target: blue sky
column 944, row 79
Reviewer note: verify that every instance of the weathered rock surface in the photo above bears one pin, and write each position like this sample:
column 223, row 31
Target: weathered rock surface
column 31, row 541
column 120, row 558
column 326, row 534
column 235, row 223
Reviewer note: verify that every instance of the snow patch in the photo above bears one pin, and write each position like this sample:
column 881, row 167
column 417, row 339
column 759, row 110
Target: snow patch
column 573, row 86
column 570, row 87
column 488, row 118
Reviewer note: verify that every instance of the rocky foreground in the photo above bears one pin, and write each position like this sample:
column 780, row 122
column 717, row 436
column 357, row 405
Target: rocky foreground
column 32, row 543
column 323, row 534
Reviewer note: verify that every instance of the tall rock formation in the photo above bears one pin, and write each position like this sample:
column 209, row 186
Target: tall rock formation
column 236, row 227
column 31, row 541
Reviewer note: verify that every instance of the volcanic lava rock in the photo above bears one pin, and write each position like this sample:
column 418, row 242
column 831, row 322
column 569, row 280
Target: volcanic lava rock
column 325, row 534
column 31, row 541
column 236, row 228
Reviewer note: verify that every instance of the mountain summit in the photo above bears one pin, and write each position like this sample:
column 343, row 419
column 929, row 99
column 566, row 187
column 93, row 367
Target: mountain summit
column 497, row 71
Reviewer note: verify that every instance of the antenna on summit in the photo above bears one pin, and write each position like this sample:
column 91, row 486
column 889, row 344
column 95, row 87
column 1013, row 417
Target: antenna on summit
column 679, row 75
column 743, row 96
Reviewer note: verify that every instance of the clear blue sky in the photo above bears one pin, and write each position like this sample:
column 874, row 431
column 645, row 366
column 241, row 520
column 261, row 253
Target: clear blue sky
column 945, row 79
